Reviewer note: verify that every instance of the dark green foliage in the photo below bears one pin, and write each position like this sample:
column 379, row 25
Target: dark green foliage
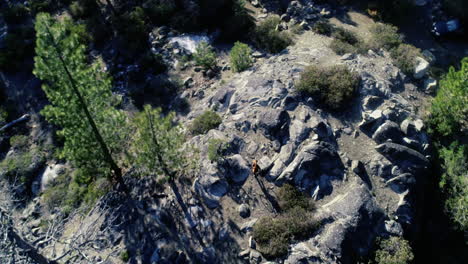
column 323, row 27
column 19, row 142
column 158, row 144
column 454, row 182
column 241, row 58
column 153, row 63
column 217, row 149
column 205, row 122
column 82, row 146
column 341, row 48
column 37, row 6
column 205, row 56
column 83, row 8
column 449, row 110
column 238, row 23
column 22, row 165
column 125, row 256
column 393, row 11
column 404, row 57
column 345, row 36
column 265, row 36
column 133, row 28
column 448, row 124
column 3, row 115
column 394, row 250
column 274, row 234
column 290, row 197
column 19, row 46
column 160, row 12
column 334, row 86
column 15, row 13
column 385, row 36
column 345, row 41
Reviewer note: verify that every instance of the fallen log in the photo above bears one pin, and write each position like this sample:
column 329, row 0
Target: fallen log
column 19, row 120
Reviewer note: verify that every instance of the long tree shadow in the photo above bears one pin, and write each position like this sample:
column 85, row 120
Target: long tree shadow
column 187, row 215
column 274, row 204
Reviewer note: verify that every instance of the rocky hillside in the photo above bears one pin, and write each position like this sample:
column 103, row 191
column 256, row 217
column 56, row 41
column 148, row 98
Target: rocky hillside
column 362, row 167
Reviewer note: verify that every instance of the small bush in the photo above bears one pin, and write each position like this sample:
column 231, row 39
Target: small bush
column 404, row 57
column 15, row 13
column 290, row 197
column 345, row 36
column 394, row 250
column 19, row 141
column 323, row 27
column 153, row 62
column 341, row 48
column 205, row 56
column 132, row 26
column 265, row 36
column 384, row 36
column 274, row 234
column 125, row 256
column 19, row 46
column 37, row 6
column 205, row 122
column 3, row 116
column 160, row 12
column 335, row 86
column 217, row 149
column 240, row 57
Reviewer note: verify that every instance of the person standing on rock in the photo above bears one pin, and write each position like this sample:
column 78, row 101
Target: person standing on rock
column 255, row 168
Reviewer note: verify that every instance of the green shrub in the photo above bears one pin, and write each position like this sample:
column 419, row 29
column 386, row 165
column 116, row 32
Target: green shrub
column 237, row 22
column 19, row 46
column 160, row 12
column 341, row 48
column 15, row 13
column 449, row 109
column 274, row 234
column 345, row 36
column 404, row 57
column 18, row 166
column 334, row 86
column 56, row 193
column 132, row 26
column 323, row 27
column 3, row 116
column 384, row 36
column 19, row 141
column 78, row 9
column 125, row 256
column 290, row 197
column 240, row 57
column 217, row 149
column 205, row 56
column 154, row 62
column 265, row 36
column 448, row 125
column 394, row 250
column 37, row 6
column 454, row 182
column 205, row 122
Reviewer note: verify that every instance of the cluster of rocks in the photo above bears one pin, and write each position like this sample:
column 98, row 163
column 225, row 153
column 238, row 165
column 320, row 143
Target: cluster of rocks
column 295, row 142
column 303, row 12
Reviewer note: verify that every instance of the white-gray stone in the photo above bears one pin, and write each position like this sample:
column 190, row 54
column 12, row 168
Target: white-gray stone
column 421, row 68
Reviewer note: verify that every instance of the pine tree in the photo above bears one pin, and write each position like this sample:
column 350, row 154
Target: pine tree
column 82, row 104
column 158, row 144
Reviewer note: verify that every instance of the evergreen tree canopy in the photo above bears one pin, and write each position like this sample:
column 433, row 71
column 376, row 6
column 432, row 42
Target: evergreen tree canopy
column 158, row 143
column 59, row 50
